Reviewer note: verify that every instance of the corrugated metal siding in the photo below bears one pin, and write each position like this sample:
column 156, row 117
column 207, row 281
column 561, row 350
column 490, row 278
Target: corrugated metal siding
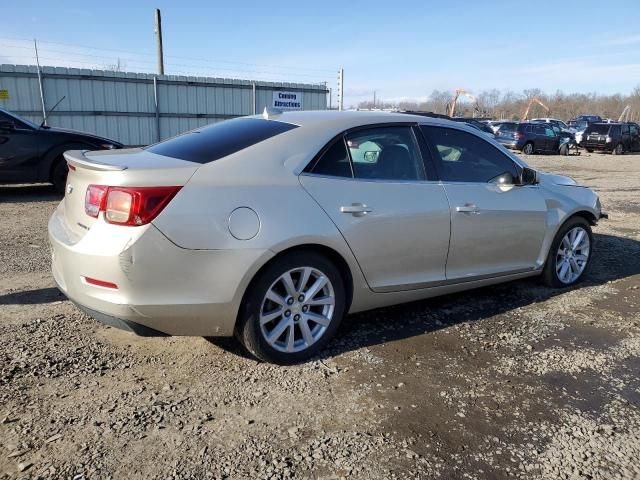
column 121, row 106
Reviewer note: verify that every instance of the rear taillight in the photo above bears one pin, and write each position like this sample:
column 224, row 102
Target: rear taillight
column 94, row 200
column 128, row 205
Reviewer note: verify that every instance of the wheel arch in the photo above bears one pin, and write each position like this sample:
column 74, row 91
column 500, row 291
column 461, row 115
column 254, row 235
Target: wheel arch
column 333, row 255
column 586, row 214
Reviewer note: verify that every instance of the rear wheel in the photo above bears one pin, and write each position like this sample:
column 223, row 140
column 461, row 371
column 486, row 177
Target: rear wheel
column 59, row 175
column 527, row 149
column 590, row 150
column 619, row 150
column 564, row 149
column 569, row 255
column 293, row 309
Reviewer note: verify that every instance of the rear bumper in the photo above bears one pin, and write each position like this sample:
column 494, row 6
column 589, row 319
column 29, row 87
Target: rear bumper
column 512, row 144
column 161, row 288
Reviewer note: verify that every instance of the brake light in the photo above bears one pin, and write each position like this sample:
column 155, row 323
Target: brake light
column 94, row 200
column 131, row 206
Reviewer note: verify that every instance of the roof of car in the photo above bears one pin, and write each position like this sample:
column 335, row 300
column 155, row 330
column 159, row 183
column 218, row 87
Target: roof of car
column 348, row 118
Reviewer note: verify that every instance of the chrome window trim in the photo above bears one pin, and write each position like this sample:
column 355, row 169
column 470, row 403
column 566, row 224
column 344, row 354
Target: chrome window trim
column 369, row 180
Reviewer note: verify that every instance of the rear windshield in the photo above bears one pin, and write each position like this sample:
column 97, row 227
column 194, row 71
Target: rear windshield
column 216, row 141
column 507, row 127
column 601, row 129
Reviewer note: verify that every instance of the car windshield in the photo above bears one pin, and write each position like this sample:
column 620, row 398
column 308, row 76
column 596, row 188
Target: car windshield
column 579, row 125
column 602, row 129
column 13, row 116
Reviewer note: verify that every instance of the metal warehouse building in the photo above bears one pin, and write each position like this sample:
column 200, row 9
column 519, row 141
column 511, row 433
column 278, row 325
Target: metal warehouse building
column 140, row 108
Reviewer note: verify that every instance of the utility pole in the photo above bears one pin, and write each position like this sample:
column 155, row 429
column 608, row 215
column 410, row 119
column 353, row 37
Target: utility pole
column 159, row 42
column 374, row 99
column 341, row 89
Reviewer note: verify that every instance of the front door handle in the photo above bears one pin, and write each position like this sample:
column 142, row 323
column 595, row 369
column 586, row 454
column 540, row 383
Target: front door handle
column 468, row 208
column 356, row 209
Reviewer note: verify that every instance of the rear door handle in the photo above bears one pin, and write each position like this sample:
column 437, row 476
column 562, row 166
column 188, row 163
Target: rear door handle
column 468, row 208
column 356, row 209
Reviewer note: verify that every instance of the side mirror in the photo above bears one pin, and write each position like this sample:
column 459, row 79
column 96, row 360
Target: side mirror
column 7, row 125
column 528, row 176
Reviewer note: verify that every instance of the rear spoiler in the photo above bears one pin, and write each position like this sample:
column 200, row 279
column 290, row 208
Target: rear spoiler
column 77, row 158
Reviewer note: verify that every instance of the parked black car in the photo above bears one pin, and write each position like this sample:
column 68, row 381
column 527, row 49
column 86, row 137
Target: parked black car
column 616, row 138
column 31, row 153
column 528, row 137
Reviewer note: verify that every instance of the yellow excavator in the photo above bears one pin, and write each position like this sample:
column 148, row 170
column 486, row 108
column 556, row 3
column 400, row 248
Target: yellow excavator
column 451, row 107
column 533, row 100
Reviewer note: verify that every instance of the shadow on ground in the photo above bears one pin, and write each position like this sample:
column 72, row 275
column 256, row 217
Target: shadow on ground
column 28, row 193
column 32, row 297
column 615, row 258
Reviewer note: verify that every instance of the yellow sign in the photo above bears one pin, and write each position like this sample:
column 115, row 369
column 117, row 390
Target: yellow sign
column 4, row 94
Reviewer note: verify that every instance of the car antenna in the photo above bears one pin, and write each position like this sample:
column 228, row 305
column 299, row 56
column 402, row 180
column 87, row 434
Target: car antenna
column 52, row 109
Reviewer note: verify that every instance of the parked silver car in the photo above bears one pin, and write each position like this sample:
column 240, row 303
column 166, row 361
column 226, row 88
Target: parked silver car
column 271, row 228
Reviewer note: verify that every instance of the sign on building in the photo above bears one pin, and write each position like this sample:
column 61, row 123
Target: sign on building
column 287, row 100
column 4, row 94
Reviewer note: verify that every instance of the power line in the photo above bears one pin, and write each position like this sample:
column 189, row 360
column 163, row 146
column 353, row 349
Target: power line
column 87, row 47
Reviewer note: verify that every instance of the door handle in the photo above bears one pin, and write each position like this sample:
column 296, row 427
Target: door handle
column 468, row 208
column 356, row 209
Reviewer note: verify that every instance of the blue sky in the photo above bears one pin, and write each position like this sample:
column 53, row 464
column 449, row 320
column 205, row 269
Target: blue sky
column 401, row 49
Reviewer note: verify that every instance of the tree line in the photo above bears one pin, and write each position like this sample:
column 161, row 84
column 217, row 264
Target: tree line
column 511, row 105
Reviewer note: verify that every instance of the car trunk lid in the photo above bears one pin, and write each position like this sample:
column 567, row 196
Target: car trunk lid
column 123, row 168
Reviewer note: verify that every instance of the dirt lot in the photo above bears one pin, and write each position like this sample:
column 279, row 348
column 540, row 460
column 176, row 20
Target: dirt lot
column 515, row 380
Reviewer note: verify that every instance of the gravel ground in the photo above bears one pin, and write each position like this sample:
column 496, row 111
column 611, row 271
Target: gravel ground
column 511, row 381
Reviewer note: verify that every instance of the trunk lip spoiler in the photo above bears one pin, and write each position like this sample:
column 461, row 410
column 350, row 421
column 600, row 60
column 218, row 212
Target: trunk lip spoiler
column 78, row 159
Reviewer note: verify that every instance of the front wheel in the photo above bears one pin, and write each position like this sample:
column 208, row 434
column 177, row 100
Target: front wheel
column 528, row 148
column 293, row 309
column 569, row 255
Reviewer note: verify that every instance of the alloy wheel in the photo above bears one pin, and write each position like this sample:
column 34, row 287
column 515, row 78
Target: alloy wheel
column 572, row 255
column 297, row 309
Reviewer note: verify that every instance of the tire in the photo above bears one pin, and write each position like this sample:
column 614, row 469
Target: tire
column 59, row 176
column 564, row 150
column 619, row 150
column 261, row 316
column 527, row 148
column 552, row 274
column 590, row 150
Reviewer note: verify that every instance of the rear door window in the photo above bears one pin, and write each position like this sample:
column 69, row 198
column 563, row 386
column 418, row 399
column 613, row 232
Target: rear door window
column 219, row 140
column 334, row 161
column 385, row 153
